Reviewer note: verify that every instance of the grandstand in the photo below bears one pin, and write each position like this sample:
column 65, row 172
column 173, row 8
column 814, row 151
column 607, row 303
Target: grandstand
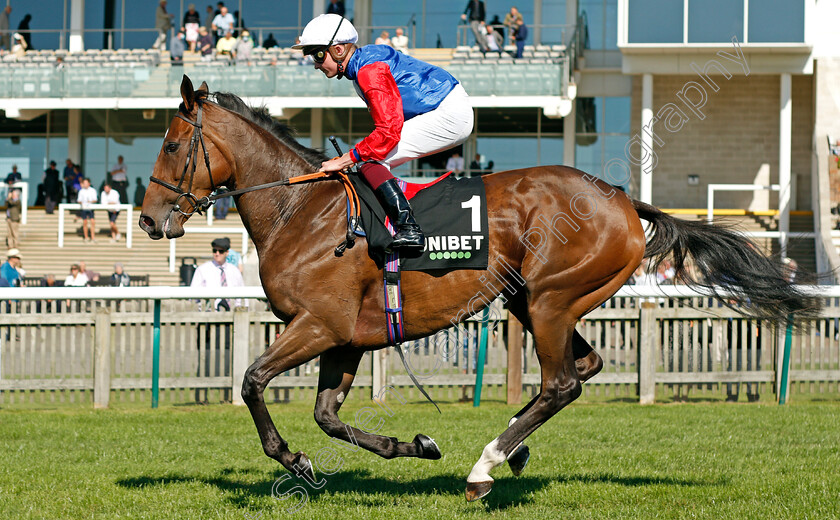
column 748, row 101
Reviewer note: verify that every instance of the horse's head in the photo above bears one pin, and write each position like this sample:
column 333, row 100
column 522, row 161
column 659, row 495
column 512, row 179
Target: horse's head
column 189, row 167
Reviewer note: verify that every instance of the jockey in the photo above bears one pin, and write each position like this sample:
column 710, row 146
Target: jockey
column 418, row 109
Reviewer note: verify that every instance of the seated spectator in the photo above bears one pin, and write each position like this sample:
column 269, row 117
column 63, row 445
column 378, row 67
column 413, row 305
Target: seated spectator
column 225, row 45
column 120, row 278
column 383, row 39
column 242, row 49
column 11, row 270
column 270, row 42
column 110, row 196
column 475, row 165
column 178, row 47
column 205, row 44
column 76, row 278
column 495, row 43
column 92, row 276
column 400, row 41
column 49, row 281
column 18, row 45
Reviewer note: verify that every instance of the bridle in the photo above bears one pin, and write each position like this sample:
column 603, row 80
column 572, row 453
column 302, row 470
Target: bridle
column 199, row 205
column 197, row 138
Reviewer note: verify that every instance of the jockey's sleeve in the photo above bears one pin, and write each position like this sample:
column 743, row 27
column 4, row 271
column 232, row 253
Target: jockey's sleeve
column 385, row 104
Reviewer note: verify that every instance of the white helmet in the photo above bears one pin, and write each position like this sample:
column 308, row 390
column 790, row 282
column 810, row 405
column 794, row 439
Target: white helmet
column 326, row 30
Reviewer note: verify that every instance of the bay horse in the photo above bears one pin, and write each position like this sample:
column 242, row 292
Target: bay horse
column 567, row 242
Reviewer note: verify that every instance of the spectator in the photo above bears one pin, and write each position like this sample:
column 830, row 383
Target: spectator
column 13, row 176
column 511, row 20
column 192, row 21
column 475, row 166
column 520, row 35
column 223, row 23
column 119, row 176
column 221, row 208
column 336, row 7
column 489, row 169
column 400, row 41
column 110, row 196
column 119, row 278
column 91, row 275
column 23, row 29
column 139, row 193
column 52, row 188
column 237, row 24
column 5, row 41
column 11, row 270
column 205, row 44
column 495, row 43
column 76, row 278
column 86, row 197
column 18, row 45
column 383, row 39
column 219, row 273
column 455, row 164
column 49, row 281
column 475, row 14
column 270, row 42
column 179, row 46
column 163, row 22
column 235, row 258
column 40, row 195
column 225, row 45
column 242, row 49
column 70, row 181
column 13, row 208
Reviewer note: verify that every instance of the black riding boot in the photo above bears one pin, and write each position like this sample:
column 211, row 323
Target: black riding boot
column 409, row 239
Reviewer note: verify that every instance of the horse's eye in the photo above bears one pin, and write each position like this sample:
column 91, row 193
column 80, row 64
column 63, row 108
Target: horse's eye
column 171, row 147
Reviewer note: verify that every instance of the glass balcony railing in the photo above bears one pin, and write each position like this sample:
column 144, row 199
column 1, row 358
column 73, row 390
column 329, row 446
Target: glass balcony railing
column 479, row 79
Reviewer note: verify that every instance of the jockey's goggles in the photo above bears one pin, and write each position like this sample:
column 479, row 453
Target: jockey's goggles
column 319, row 54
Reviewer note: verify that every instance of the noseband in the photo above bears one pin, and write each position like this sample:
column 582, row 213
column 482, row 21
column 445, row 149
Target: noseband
column 198, row 205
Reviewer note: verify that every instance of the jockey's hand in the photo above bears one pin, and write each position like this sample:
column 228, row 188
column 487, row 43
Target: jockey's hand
column 337, row 164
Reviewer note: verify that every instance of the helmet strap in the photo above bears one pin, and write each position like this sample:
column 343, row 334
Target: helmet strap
column 339, row 57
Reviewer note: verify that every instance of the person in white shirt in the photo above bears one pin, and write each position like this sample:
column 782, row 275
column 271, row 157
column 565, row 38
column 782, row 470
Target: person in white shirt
column 76, row 278
column 86, row 197
column 110, row 196
column 400, row 41
column 455, row 164
column 223, row 22
column 219, row 273
column 119, row 179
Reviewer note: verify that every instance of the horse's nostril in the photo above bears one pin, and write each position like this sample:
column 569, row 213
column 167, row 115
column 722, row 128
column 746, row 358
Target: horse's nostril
column 147, row 222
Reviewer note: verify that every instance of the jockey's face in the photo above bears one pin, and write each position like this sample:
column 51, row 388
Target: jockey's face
column 329, row 67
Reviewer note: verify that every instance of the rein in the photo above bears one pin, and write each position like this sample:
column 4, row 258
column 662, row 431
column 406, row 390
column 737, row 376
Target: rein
column 200, row 205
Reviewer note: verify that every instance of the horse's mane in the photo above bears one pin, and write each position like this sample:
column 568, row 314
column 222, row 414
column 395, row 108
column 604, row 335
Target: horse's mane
column 262, row 118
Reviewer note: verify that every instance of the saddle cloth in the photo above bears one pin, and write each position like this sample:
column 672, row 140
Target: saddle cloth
column 452, row 213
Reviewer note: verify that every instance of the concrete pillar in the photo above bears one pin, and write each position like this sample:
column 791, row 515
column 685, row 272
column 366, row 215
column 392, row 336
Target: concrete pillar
column 569, row 129
column 74, row 135
column 241, row 352
column 317, row 128
column 77, row 25
column 646, row 179
column 537, row 36
column 785, row 123
column 102, row 358
column 363, row 18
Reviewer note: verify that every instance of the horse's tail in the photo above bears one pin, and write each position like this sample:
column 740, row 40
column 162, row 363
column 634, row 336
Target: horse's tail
column 726, row 264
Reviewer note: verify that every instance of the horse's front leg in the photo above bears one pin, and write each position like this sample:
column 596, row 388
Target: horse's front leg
column 305, row 338
column 338, row 370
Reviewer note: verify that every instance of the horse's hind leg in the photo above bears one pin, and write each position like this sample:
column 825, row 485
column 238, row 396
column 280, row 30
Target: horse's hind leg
column 587, row 361
column 338, row 370
column 560, row 386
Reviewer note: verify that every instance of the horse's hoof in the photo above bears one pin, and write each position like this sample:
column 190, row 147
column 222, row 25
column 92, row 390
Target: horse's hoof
column 426, row 447
column 519, row 459
column 302, row 467
column 477, row 490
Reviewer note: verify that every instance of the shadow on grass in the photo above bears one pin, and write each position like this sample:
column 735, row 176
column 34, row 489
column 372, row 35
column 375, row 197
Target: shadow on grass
column 639, row 481
column 239, row 491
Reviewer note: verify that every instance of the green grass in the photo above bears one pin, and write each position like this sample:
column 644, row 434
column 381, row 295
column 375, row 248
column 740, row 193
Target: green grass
column 717, row 461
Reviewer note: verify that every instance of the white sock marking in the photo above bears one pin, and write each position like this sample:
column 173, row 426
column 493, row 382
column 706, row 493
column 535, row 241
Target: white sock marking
column 490, row 458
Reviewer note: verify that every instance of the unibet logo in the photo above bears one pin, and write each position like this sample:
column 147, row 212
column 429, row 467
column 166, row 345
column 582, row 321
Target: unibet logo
column 452, row 247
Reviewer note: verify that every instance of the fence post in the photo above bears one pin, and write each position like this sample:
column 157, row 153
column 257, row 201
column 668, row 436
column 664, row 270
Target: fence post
column 514, row 360
column 241, row 349
column 102, row 358
column 378, row 372
column 647, row 353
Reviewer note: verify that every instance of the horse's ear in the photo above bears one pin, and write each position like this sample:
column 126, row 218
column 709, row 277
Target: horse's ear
column 187, row 93
column 204, row 87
